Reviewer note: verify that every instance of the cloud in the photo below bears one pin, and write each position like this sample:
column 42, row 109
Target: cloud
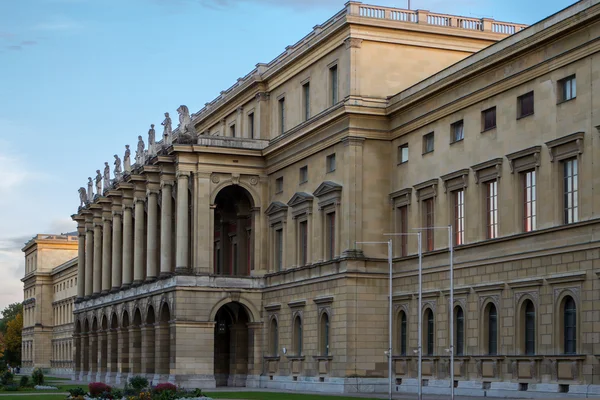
column 28, row 43
column 6, row 35
column 58, row 24
column 14, row 48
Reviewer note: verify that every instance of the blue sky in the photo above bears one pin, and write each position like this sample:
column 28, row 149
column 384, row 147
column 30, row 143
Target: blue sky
column 79, row 79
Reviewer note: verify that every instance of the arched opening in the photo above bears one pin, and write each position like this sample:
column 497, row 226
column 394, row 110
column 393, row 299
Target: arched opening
column 85, row 346
column 233, row 232
column 123, row 346
column 298, row 336
column 324, row 334
column 231, row 345
column 527, row 327
column 163, row 341
column 135, row 360
column 459, row 331
column 273, row 338
column 94, row 347
column 112, row 344
column 148, row 338
column 103, row 345
column 568, row 325
column 429, row 332
column 490, row 329
column 402, row 332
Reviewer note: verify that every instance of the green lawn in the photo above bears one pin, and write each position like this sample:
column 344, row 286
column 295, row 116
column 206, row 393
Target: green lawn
column 61, row 389
column 273, row 396
column 33, row 397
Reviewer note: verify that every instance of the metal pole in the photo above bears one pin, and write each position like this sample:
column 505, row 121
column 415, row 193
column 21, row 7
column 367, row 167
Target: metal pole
column 451, row 247
column 420, row 341
column 390, row 261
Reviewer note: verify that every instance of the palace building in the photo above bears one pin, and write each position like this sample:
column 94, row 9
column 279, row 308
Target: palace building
column 229, row 255
column 49, row 292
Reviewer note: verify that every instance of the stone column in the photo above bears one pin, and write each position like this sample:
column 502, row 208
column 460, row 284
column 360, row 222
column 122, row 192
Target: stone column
column 93, row 357
column 102, row 356
column 203, row 238
column 78, row 361
column 161, row 352
column 166, row 229
column 139, row 239
column 255, row 348
column 127, row 246
column 309, row 235
column 89, row 258
column 117, row 251
column 81, row 262
column 135, row 350
column 122, row 355
column 97, row 286
column 152, row 248
column 147, row 361
column 238, row 351
column 106, row 252
column 85, row 356
column 112, row 353
column 192, row 366
column 239, row 123
column 183, row 234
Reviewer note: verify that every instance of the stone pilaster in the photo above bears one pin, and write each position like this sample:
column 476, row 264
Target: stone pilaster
column 193, row 366
column 77, row 359
column 89, row 258
column 97, row 279
column 117, row 250
column 203, row 238
column 352, row 199
column 183, row 231
column 147, row 360
column 122, row 355
column 85, row 356
column 152, row 247
column 81, row 260
column 112, row 358
column 102, row 355
column 127, row 245
column 135, row 350
column 106, row 252
column 93, row 356
column 166, row 229
column 139, row 240
column 162, row 359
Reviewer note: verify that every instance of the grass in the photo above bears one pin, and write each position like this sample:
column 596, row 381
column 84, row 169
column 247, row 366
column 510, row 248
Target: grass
column 273, row 396
column 61, row 389
column 33, row 397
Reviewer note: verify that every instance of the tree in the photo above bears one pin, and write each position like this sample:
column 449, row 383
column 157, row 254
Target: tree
column 12, row 339
column 2, row 345
column 8, row 314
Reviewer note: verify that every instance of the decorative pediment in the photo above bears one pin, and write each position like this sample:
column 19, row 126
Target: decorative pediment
column 426, row 190
column 326, row 188
column 276, row 207
column 401, row 197
column 488, row 170
column 524, row 160
column 300, row 198
column 566, row 146
column 456, row 180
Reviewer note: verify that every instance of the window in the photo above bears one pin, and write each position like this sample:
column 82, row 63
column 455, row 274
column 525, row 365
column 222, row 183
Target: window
column 324, row 334
column 525, row 105
column 492, row 329
column 403, row 228
column 330, row 234
column 402, row 333
column 274, row 338
column 298, row 335
column 567, row 89
column 403, row 153
column 529, row 327
column 430, row 332
column 488, row 119
column 282, row 115
column 457, row 130
column 330, row 161
column 333, row 78
column 304, row 174
column 491, row 200
column 279, row 185
column 459, row 331
column 428, row 143
column 428, row 223
column 529, row 203
column 303, row 236
column 232, row 130
column 459, row 217
column 234, row 258
column 279, row 249
column 570, row 191
column 251, row 125
column 306, row 102
column 570, row 326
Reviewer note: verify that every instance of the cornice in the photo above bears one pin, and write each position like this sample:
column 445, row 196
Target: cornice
column 566, row 278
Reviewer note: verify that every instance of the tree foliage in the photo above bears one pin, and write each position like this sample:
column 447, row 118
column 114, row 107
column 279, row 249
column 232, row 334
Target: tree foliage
column 12, row 339
column 8, row 314
column 2, row 345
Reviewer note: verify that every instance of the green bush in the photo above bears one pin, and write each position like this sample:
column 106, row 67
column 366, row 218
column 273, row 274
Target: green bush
column 117, row 394
column 76, row 392
column 6, row 378
column 128, row 391
column 138, row 383
column 24, row 381
column 11, row 388
column 38, row 376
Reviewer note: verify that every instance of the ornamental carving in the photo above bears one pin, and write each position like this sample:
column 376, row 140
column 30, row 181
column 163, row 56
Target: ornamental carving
column 235, row 179
column 574, row 291
column 215, row 178
column 495, row 299
column 533, row 294
column 253, row 180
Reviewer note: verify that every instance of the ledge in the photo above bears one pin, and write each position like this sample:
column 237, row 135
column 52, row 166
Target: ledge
column 296, row 303
column 567, row 278
column 323, row 358
column 459, row 291
column 323, row 300
column 271, row 358
column 488, row 287
column 521, row 283
column 273, row 307
column 296, row 358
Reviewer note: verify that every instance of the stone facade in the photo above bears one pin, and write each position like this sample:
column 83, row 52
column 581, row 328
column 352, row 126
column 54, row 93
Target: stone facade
column 234, row 260
column 49, row 289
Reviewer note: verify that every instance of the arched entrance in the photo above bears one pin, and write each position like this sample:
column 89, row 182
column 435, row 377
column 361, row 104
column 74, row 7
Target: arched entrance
column 233, row 239
column 231, row 345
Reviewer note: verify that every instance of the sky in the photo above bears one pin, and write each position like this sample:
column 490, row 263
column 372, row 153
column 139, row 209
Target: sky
column 79, row 79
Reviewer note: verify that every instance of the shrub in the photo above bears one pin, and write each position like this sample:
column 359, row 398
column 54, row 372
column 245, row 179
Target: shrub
column 161, row 387
column 138, row 383
column 24, row 381
column 76, row 392
column 98, row 388
column 117, row 393
column 38, row 376
column 11, row 387
column 128, row 391
column 7, row 378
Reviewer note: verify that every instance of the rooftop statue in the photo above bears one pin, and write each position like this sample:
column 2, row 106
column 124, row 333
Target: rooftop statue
column 151, row 141
column 139, row 153
column 186, row 128
column 98, row 183
column 106, row 176
column 127, row 160
column 90, row 189
column 167, row 131
column 118, row 171
column 83, row 199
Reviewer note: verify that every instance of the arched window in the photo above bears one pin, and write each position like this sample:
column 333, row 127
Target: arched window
column 529, row 327
column 430, row 334
column 492, row 325
column 459, row 331
column 402, row 333
column 298, row 335
column 324, row 334
column 570, row 326
column 274, row 337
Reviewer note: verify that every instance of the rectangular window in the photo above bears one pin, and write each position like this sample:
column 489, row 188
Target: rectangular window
column 403, row 227
column 488, row 119
column 428, row 223
column 457, row 130
column 330, row 163
column 232, row 130
column 525, row 105
column 234, row 259
column 333, row 78
column 251, row 125
column 304, row 174
column 330, row 235
column 306, row 96
column 282, row 115
column 529, row 201
column 459, row 217
column 428, row 143
column 403, row 153
column 491, row 199
column 570, row 191
column 279, row 185
column 303, row 236
column 567, row 88
column 279, row 249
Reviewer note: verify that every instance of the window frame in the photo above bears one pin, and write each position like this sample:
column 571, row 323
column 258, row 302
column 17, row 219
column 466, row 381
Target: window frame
column 274, row 337
column 520, row 101
column 279, row 244
column 279, row 185
column 324, row 334
column 334, row 84
column 569, row 329
column 491, row 201
column 429, row 222
column 281, row 107
column 232, row 131
column 430, row 335
column 453, row 131
column 492, row 328
column 402, row 332
column 484, row 113
column 458, row 216
column 298, row 333
column 529, row 328
column 330, row 163
column 306, row 100
column 403, row 228
column 459, row 330
column 401, row 159
column 428, row 138
column 303, row 174
column 330, row 220
column 570, row 195
column 251, row 125
column 529, row 201
column 303, row 242
column 570, row 80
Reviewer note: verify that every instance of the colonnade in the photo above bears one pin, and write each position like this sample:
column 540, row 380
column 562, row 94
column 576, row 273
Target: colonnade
column 62, row 353
column 126, row 237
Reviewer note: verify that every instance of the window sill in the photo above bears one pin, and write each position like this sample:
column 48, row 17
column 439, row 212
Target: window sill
column 427, row 152
column 565, row 101
column 279, row 192
column 323, row 358
column 296, row 358
column 525, row 116
column 303, row 182
column 457, row 141
column 402, row 162
column 331, row 171
column 271, row 358
column 489, row 129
